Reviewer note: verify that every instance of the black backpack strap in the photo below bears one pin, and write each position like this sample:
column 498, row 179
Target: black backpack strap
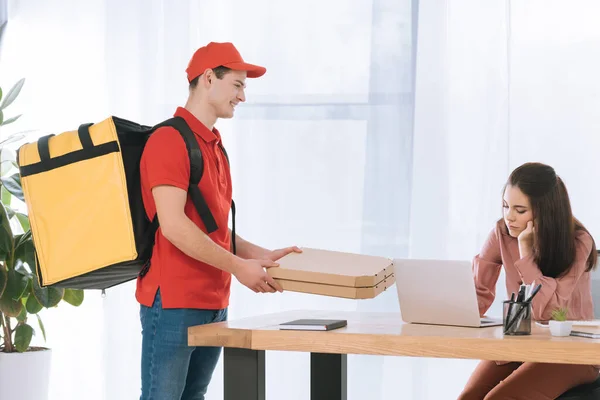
column 233, row 249
column 232, row 207
column 224, row 152
column 196, row 170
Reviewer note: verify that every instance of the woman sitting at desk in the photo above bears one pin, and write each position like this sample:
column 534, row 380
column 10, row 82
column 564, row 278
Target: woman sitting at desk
column 537, row 241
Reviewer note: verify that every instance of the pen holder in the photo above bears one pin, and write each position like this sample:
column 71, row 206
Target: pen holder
column 516, row 318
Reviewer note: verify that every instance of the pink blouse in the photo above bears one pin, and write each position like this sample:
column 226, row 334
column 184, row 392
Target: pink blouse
column 572, row 290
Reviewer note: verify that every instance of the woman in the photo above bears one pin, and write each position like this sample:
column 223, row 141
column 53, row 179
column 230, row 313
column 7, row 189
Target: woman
column 540, row 241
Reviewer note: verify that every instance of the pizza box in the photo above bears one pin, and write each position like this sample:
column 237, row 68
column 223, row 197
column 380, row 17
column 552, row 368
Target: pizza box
column 346, row 292
column 334, row 273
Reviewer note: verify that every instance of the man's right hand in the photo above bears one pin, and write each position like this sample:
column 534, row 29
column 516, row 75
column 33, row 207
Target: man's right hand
column 252, row 274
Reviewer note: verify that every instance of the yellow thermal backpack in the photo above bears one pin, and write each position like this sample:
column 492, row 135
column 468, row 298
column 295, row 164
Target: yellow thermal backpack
column 82, row 190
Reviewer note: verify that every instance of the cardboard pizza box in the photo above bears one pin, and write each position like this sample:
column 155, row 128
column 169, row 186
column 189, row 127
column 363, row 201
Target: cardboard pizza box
column 346, row 292
column 334, row 273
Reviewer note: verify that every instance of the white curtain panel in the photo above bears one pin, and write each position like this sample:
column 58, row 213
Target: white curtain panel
column 382, row 127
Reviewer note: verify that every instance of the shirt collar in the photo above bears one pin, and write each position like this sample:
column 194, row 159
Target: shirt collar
column 197, row 127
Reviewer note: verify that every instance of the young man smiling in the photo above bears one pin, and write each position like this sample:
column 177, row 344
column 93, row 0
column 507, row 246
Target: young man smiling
column 188, row 282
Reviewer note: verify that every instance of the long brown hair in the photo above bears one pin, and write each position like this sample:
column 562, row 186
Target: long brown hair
column 555, row 226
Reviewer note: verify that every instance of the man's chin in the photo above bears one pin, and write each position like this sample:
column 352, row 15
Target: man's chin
column 227, row 115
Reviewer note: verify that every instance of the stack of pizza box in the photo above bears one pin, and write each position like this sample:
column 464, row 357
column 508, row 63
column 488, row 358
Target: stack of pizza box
column 333, row 273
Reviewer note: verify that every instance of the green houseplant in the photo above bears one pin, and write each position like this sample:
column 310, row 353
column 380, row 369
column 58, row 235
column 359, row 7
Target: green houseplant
column 559, row 325
column 21, row 297
column 559, row 314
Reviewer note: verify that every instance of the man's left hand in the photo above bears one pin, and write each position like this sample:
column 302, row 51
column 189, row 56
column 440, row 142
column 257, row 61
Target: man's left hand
column 275, row 255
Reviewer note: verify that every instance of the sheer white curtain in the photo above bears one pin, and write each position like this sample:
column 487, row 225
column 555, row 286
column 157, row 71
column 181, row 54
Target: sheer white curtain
column 341, row 145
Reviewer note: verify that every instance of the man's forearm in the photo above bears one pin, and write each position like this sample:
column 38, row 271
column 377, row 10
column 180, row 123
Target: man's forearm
column 190, row 239
column 248, row 250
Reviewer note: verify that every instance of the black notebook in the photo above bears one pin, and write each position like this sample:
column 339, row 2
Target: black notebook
column 313, row 324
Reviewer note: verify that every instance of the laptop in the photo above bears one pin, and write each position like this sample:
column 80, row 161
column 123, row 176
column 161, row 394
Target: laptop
column 438, row 292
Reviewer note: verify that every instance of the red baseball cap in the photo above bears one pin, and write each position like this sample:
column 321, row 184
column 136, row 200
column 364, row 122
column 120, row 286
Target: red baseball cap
column 220, row 54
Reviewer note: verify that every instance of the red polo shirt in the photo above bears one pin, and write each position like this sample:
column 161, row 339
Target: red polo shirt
column 185, row 282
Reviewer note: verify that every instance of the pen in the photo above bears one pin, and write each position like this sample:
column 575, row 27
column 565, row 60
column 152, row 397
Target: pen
column 521, row 295
column 530, row 293
column 510, row 306
column 585, row 334
column 533, row 293
column 529, row 288
column 523, row 307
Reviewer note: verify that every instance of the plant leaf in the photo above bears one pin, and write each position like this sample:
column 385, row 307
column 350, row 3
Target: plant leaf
column 13, row 138
column 9, row 211
column 3, row 279
column 41, row 326
column 33, row 306
column 22, row 239
column 22, row 317
column 10, row 307
column 13, row 185
column 7, row 165
column 24, row 220
column 6, row 235
column 74, row 297
column 21, row 268
column 7, row 153
column 23, row 335
column 47, row 296
column 0, row 93
column 16, row 285
column 6, row 197
column 12, row 94
column 24, row 249
column 11, row 120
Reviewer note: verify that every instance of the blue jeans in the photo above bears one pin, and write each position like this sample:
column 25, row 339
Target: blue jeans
column 172, row 370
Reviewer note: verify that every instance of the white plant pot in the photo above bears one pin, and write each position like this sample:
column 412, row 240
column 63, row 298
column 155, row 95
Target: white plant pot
column 25, row 376
column 560, row 328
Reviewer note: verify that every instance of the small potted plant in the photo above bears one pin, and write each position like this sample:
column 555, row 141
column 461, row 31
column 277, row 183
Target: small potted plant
column 559, row 326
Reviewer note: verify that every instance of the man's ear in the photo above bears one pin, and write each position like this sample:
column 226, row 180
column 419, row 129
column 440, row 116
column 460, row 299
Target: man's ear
column 208, row 76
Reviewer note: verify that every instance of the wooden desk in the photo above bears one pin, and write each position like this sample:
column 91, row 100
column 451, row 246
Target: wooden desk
column 246, row 340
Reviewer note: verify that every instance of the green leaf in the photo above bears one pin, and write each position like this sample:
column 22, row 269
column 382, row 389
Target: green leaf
column 41, row 326
column 47, row 296
column 12, row 94
column 11, row 120
column 23, row 335
column 7, row 165
column 1, row 117
column 13, row 185
column 6, row 235
column 10, row 307
column 22, row 239
column 22, row 317
column 9, row 211
column 23, row 270
column 33, row 306
column 14, row 137
column 24, row 220
column 24, row 249
column 16, row 285
column 3, row 279
column 0, row 93
column 6, row 197
column 74, row 297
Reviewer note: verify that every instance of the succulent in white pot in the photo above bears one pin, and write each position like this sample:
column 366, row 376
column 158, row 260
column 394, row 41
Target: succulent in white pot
column 559, row 326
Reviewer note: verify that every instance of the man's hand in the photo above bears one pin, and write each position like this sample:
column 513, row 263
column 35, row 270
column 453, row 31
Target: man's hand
column 526, row 240
column 275, row 255
column 252, row 274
